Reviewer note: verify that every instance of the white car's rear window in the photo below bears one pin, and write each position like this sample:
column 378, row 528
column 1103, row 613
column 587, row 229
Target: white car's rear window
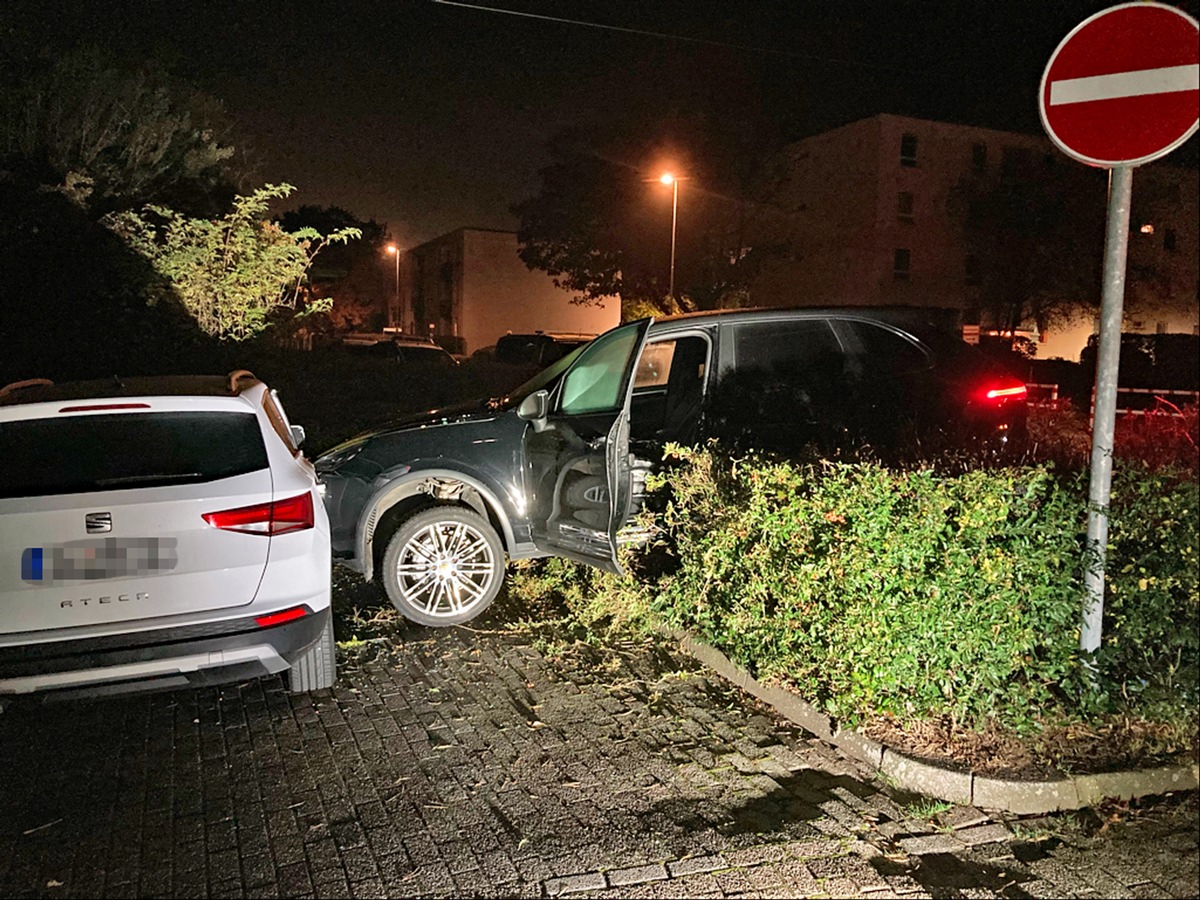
column 79, row 454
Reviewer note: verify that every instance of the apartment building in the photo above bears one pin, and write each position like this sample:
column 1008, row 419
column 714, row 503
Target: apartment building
column 469, row 287
column 999, row 226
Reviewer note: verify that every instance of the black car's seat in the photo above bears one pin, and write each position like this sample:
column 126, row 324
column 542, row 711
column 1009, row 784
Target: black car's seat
column 685, row 391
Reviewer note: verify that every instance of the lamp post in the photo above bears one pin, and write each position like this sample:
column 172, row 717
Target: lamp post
column 395, row 251
column 668, row 178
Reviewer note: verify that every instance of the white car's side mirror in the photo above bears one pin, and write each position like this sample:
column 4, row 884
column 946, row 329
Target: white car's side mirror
column 297, row 432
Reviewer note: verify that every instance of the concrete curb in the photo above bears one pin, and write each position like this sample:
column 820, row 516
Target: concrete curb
column 963, row 788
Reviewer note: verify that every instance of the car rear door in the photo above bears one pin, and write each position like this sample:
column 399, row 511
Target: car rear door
column 578, row 463
column 102, row 510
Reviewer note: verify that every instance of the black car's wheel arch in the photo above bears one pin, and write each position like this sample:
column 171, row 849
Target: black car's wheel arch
column 403, row 497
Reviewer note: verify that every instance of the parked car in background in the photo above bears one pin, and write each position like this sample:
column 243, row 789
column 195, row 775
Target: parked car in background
column 157, row 533
column 538, row 349
column 432, row 506
column 409, row 350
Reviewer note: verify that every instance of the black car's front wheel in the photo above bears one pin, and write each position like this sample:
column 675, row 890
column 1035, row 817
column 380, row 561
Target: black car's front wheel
column 443, row 566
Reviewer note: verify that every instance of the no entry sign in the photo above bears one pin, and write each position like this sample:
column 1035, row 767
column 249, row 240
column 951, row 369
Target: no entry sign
column 1123, row 88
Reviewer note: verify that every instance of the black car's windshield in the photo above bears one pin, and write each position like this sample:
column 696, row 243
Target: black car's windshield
column 541, row 380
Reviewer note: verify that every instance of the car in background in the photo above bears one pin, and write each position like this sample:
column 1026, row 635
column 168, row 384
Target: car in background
column 158, row 533
column 538, row 349
column 409, row 350
column 433, row 505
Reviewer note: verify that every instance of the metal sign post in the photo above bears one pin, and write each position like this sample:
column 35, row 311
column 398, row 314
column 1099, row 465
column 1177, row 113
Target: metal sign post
column 1120, row 90
column 1108, row 356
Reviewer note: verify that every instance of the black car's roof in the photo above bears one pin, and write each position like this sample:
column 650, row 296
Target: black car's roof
column 901, row 316
column 41, row 391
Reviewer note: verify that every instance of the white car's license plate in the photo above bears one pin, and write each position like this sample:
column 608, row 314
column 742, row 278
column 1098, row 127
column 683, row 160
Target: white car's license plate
column 92, row 560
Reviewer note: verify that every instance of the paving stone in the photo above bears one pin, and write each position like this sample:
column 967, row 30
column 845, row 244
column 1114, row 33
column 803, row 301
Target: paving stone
column 931, row 843
column 420, row 776
column 637, row 875
column 754, row 855
column 695, row 864
column 983, row 834
column 574, row 884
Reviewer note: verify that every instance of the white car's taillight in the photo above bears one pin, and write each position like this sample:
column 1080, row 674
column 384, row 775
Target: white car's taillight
column 278, row 517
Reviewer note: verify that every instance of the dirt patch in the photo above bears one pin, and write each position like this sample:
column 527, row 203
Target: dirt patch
column 1113, row 746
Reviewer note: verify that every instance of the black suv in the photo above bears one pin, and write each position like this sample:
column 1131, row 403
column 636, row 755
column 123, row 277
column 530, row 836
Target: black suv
column 432, row 505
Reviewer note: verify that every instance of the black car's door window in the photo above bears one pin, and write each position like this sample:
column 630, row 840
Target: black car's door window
column 597, row 381
column 785, row 386
column 887, row 381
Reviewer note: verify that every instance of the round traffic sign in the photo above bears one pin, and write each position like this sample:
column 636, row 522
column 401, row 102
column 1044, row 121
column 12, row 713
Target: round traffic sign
column 1123, row 88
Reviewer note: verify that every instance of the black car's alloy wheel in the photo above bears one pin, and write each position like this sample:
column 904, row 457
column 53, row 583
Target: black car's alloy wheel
column 443, row 566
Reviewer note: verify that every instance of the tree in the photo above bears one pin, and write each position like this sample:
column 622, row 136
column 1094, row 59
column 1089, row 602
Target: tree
column 357, row 276
column 600, row 225
column 1036, row 239
column 233, row 273
column 113, row 139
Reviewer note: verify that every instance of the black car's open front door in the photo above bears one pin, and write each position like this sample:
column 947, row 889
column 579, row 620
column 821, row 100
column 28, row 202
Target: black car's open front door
column 578, row 453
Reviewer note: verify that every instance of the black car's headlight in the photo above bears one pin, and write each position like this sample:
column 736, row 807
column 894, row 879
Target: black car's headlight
column 337, row 457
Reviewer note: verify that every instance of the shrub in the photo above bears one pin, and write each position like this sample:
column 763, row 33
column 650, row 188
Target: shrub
column 919, row 594
column 1164, row 437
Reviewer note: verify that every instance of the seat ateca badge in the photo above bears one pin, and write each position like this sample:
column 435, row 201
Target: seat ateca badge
column 112, row 598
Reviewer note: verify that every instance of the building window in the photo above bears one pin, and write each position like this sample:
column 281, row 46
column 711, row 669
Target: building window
column 900, row 267
column 904, row 206
column 1169, row 239
column 1014, row 162
column 1160, row 328
column 972, row 272
column 908, row 150
column 979, row 157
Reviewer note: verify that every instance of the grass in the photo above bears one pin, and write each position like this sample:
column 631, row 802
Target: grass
column 927, row 809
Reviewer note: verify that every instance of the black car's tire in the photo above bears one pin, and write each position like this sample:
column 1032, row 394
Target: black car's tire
column 443, row 566
column 317, row 668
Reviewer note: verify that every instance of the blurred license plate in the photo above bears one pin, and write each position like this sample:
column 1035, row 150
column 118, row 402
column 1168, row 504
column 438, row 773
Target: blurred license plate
column 92, row 560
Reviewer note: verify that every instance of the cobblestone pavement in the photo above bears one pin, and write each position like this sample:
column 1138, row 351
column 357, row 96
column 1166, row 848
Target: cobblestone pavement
column 486, row 763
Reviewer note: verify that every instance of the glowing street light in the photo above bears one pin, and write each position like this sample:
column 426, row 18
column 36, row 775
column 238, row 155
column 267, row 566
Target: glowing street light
column 668, row 178
column 395, row 251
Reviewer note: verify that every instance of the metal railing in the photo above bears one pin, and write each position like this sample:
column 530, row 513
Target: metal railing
column 1137, row 401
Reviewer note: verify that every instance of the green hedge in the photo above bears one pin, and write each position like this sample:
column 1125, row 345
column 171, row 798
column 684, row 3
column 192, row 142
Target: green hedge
column 919, row 594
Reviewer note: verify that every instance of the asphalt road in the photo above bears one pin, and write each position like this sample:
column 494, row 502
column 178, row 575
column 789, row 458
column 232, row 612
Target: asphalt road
column 505, row 761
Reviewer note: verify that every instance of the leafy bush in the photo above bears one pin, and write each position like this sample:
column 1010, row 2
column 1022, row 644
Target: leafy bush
column 1151, row 650
column 1164, row 437
column 231, row 273
column 921, row 595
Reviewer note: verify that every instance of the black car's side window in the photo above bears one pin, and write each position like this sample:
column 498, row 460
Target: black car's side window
column 887, row 377
column 883, row 352
column 786, row 381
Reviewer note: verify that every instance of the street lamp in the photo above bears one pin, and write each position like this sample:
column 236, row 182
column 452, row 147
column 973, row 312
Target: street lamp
column 395, row 251
column 668, row 178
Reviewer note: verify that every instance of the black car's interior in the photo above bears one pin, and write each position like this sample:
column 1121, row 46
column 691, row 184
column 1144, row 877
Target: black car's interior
column 668, row 391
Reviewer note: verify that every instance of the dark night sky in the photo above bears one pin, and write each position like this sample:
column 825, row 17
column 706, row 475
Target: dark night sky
column 431, row 116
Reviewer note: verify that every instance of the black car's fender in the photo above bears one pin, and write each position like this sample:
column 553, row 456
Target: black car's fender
column 445, row 485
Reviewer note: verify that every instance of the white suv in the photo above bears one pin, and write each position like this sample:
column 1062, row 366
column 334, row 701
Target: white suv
column 158, row 533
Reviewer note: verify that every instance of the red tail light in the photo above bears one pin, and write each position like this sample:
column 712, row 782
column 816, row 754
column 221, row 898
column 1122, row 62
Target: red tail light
column 1005, row 388
column 287, row 615
column 279, row 517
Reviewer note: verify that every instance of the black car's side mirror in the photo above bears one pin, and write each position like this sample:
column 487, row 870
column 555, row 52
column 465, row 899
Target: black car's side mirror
column 534, row 409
